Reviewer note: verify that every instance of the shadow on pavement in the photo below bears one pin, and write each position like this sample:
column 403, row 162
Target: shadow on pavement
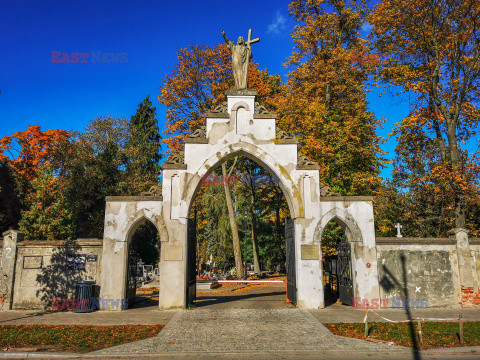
column 206, row 300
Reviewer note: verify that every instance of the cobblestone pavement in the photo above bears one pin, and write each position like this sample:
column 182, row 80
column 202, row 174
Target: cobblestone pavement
column 266, row 296
column 245, row 331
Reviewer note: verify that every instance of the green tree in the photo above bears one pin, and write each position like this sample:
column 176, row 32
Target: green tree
column 142, row 150
column 214, row 236
column 90, row 164
column 10, row 204
column 47, row 217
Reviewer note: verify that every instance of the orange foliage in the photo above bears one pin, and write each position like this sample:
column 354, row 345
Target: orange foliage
column 325, row 104
column 35, row 149
column 433, row 56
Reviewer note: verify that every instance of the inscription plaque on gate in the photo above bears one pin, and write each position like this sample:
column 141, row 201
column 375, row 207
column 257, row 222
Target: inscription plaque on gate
column 310, row 252
column 173, row 253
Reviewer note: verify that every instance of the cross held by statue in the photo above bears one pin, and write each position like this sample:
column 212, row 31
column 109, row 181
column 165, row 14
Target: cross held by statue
column 250, row 40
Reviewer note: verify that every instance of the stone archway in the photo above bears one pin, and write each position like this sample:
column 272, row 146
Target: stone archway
column 290, row 192
column 239, row 126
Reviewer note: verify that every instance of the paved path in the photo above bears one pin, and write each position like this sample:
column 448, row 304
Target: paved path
column 266, row 296
column 141, row 316
column 337, row 313
column 245, row 331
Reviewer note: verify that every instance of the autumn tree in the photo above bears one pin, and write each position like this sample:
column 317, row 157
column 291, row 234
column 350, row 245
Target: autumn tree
column 199, row 78
column 27, row 151
column 142, row 150
column 47, row 217
column 324, row 103
column 433, row 50
column 102, row 131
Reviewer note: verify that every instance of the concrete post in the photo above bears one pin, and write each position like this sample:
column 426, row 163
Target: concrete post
column 465, row 269
column 114, row 273
column 7, row 273
column 308, row 268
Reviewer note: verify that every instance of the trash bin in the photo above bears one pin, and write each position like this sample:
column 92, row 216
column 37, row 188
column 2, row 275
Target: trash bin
column 83, row 294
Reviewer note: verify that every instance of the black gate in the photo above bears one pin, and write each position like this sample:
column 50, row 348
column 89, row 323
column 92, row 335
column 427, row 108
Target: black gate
column 132, row 272
column 191, row 262
column 344, row 271
column 290, row 252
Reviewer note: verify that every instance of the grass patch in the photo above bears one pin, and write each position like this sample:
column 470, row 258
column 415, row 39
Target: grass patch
column 73, row 338
column 435, row 334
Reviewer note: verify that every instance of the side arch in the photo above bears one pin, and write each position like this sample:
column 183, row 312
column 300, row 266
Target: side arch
column 345, row 220
column 139, row 218
column 260, row 156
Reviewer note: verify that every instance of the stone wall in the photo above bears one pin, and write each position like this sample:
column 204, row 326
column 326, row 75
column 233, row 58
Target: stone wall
column 43, row 270
column 475, row 249
column 418, row 270
column 429, row 272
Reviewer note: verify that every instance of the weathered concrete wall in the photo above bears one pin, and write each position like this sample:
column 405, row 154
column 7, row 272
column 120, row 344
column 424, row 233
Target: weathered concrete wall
column 475, row 256
column 46, row 269
column 418, row 271
column 430, row 272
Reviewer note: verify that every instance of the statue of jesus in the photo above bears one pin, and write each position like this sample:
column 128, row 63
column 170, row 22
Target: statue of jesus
column 241, row 55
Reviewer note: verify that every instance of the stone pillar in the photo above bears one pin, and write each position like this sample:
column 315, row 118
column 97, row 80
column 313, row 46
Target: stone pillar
column 465, row 266
column 172, row 293
column 114, row 274
column 308, row 260
column 7, row 273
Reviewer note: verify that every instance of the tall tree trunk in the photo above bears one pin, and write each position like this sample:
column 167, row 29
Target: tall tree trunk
column 451, row 120
column 237, row 252
column 278, row 225
column 256, row 262
column 456, row 167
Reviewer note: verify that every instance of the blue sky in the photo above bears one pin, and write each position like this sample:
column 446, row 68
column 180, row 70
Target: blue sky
column 147, row 34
